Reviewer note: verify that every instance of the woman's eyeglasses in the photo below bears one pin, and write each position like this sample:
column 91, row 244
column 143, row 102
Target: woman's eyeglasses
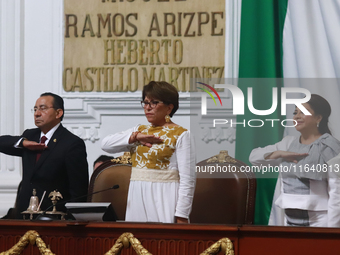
column 152, row 103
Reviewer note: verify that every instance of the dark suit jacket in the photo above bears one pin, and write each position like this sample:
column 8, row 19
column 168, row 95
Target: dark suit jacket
column 62, row 166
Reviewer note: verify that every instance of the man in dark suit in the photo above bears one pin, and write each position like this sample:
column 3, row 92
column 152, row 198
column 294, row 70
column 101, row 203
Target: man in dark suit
column 52, row 157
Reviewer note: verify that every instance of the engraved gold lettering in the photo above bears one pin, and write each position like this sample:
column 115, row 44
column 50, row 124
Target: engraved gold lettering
column 141, row 51
column 214, row 23
column 129, row 85
column 111, row 79
column 197, row 72
column 78, row 79
column 88, row 26
column 120, row 49
column 68, row 24
column 179, row 26
column 118, row 19
column 151, row 77
column 104, row 23
column 156, row 26
column 121, row 83
column 135, row 15
column 105, row 72
column 192, row 15
column 169, row 23
column 65, row 78
column 200, row 22
column 87, row 75
column 161, row 76
column 166, row 44
column 94, row 71
column 106, row 52
column 209, row 71
column 203, row 72
column 173, row 76
column 177, row 52
column 154, row 50
column 221, row 71
column 131, row 52
column 183, row 71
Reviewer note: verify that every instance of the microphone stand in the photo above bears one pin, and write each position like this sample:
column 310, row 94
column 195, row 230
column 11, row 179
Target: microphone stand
column 43, row 214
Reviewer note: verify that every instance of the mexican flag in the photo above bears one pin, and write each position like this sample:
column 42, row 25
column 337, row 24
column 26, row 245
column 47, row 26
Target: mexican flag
column 284, row 39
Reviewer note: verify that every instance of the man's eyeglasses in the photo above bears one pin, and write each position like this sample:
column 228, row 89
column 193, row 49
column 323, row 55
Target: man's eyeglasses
column 152, row 103
column 41, row 109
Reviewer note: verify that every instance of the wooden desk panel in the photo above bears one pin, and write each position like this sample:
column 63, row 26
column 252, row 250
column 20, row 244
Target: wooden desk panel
column 68, row 238
column 267, row 240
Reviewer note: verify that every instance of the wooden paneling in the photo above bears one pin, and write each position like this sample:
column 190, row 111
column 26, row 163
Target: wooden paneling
column 288, row 240
column 65, row 238
column 70, row 238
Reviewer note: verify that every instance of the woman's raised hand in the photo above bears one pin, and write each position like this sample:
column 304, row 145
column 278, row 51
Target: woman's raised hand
column 144, row 139
column 287, row 156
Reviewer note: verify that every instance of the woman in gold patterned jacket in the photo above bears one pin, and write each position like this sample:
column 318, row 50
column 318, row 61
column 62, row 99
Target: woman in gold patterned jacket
column 163, row 160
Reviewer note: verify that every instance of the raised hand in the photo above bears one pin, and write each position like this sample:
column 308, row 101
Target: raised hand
column 148, row 140
column 287, row 156
column 33, row 146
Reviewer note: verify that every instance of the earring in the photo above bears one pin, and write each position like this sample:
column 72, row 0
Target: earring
column 317, row 124
column 167, row 118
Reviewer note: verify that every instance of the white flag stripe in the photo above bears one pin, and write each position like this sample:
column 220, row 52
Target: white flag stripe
column 311, row 49
column 311, row 39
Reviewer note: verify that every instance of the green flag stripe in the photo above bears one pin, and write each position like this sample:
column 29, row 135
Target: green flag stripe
column 260, row 57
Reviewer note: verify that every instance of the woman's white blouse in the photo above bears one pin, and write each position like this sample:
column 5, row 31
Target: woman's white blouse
column 324, row 195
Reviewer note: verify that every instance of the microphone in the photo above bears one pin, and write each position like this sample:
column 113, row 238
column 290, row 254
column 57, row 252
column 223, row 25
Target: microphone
column 116, row 186
column 87, row 195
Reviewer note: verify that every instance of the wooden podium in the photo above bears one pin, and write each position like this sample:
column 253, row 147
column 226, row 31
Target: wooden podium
column 96, row 238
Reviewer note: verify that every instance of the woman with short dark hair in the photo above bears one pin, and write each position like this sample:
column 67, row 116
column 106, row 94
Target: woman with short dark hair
column 163, row 160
